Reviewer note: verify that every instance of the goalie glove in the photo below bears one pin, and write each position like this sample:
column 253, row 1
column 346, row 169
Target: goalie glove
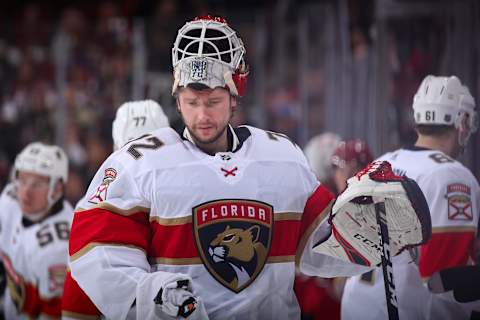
column 355, row 232
column 176, row 298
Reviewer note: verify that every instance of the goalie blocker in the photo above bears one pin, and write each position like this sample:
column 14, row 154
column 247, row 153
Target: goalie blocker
column 354, row 235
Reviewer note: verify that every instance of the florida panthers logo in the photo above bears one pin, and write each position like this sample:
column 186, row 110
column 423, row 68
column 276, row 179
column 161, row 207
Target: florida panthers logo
column 233, row 239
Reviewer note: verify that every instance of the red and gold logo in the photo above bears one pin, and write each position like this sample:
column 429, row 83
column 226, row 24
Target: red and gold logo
column 233, row 238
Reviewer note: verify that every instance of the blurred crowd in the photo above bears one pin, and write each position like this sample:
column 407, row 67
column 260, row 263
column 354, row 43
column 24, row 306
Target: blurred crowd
column 64, row 74
column 64, row 71
column 96, row 56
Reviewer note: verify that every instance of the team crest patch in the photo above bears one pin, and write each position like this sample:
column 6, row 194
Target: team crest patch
column 198, row 69
column 15, row 284
column 233, row 238
column 56, row 276
column 101, row 192
column 459, row 202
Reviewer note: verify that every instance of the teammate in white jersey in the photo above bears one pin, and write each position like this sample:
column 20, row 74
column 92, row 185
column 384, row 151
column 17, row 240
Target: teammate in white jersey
column 34, row 230
column 445, row 118
column 132, row 120
column 212, row 224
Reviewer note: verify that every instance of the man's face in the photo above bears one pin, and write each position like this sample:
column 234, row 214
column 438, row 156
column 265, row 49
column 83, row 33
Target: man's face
column 206, row 113
column 32, row 191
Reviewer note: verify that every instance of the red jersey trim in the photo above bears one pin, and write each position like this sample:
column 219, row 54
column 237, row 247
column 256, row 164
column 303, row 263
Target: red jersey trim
column 75, row 303
column 35, row 304
column 99, row 226
column 446, row 250
column 284, row 241
column 316, row 210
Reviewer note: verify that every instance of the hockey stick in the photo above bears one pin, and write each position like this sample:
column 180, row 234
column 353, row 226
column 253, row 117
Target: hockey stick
column 387, row 268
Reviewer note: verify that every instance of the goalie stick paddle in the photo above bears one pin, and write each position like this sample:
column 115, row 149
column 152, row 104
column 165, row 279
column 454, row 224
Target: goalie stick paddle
column 387, row 267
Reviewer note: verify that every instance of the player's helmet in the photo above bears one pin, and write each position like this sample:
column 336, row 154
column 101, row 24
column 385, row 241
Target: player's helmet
column 207, row 51
column 46, row 160
column 42, row 159
column 319, row 151
column 354, row 149
column 445, row 101
column 136, row 118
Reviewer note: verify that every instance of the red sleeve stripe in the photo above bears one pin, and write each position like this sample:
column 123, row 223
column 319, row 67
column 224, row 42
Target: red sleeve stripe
column 446, row 250
column 75, row 303
column 99, row 226
column 306, row 235
column 316, row 204
column 316, row 210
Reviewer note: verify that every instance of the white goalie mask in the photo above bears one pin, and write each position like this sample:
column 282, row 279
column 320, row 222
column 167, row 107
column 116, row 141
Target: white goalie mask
column 207, row 51
column 445, row 101
column 46, row 160
column 136, row 118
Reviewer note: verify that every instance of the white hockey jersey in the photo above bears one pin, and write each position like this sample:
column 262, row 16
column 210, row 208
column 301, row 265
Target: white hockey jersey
column 35, row 257
column 160, row 206
column 453, row 196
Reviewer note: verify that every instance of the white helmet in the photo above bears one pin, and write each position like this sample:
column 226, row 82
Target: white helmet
column 444, row 101
column 136, row 118
column 209, row 52
column 46, row 160
column 42, row 159
column 319, row 151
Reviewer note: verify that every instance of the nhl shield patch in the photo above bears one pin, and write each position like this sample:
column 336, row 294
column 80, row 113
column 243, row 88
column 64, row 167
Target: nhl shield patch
column 233, row 239
column 459, row 202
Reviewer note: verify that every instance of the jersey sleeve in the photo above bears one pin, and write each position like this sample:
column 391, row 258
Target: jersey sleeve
column 109, row 239
column 453, row 197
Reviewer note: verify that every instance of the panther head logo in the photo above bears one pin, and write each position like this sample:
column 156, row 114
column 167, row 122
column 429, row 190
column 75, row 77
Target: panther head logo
column 241, row 250
column 233, row 238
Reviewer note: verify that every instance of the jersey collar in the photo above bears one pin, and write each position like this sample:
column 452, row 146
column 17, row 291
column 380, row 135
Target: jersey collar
column 415, row 148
